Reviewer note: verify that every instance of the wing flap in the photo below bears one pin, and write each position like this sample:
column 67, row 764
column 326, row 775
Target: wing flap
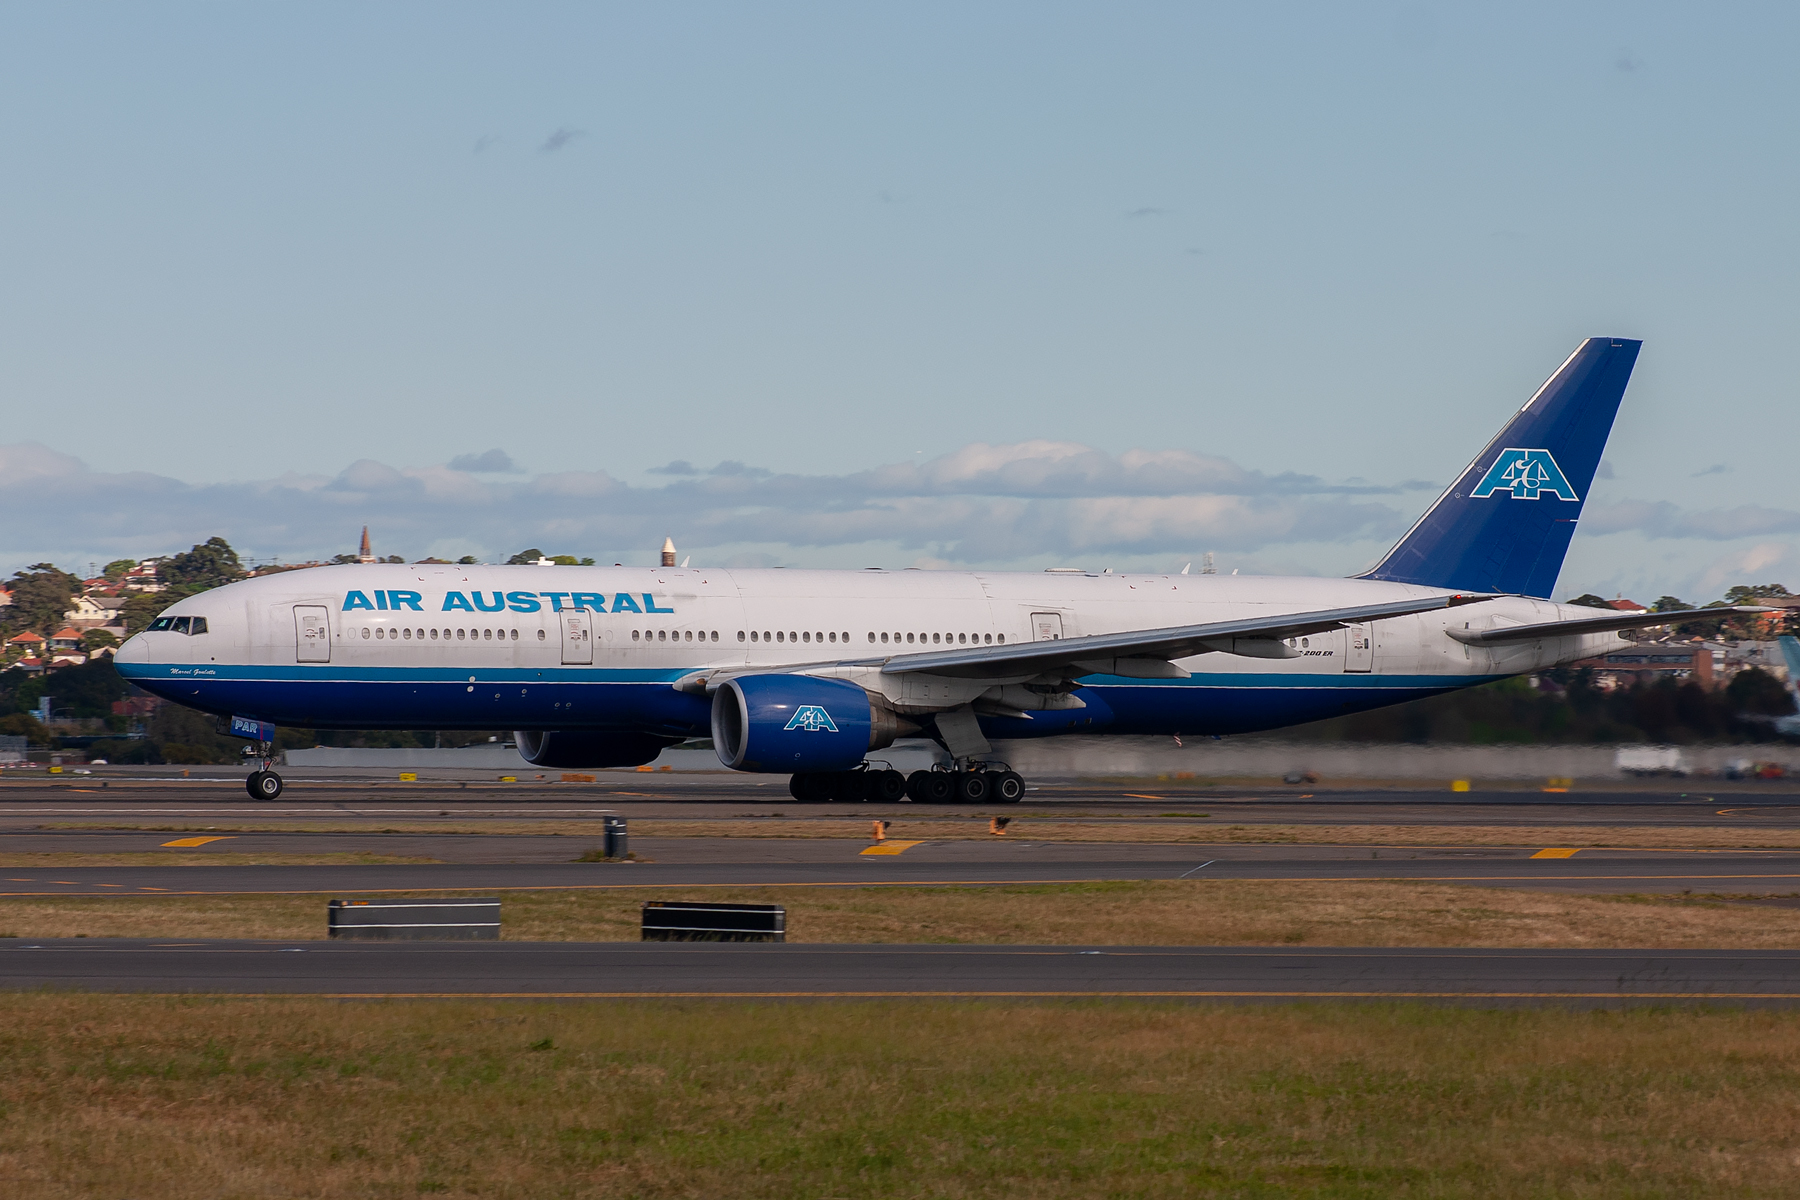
column 1029, row 658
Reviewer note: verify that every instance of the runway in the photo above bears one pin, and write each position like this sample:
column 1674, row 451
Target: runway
column 837, row 864
column 606, row 970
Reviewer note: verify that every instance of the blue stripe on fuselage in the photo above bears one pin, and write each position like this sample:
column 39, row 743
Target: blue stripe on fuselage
column 334, row 696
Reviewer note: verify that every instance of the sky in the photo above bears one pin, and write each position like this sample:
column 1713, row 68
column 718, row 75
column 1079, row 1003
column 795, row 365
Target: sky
column 948, row 285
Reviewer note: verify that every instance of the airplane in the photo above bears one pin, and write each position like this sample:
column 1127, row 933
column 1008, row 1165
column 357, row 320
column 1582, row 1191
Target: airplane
column 811, row 672
column 1789, row 726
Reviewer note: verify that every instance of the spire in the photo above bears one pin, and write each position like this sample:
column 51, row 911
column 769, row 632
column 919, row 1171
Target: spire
column 365, row 554
column 668, row 552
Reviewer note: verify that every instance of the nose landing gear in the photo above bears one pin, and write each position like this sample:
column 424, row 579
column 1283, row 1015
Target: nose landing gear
column 264, row 784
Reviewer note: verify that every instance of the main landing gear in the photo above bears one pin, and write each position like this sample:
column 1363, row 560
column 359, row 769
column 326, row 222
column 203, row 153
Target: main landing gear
column 264, row 784
column 978, row 784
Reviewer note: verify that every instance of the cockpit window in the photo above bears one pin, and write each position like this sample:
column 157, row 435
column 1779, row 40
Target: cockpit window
column 181, row 624
column 160, row 624
column 198, row 627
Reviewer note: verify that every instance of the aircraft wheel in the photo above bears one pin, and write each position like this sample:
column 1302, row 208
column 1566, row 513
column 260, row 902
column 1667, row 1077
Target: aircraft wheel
column 847, row 787
column 811, row 787
column 932, row 787
column 263, row 785
column 1008, row 788
column 884, row 787
column 972, row 787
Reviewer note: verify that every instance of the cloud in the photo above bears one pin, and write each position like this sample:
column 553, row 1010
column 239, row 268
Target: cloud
column 1661, row 519
column 1715, row 469
column 559, row 139
column 1029, row 503
column 1147, row 212
column 497, row 462
column 1606, row 470
column 980, row 504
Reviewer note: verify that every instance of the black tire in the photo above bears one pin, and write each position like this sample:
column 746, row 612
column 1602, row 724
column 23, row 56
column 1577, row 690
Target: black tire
column 1008, row 788
column 264, row 785
column 884, row 787
column 251, row 782
column 846, row 787
column 973, row 787
column 934, row 787
column 811, row 787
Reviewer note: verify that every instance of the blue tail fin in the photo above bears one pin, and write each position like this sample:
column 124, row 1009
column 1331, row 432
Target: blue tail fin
column 1505, row 524
column 1790, row 650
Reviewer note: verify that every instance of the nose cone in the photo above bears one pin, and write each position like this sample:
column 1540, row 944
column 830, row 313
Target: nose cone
column 135, row 650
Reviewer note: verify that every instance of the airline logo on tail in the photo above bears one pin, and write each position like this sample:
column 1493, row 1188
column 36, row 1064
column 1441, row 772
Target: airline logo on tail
column 811, row 718
column 1526, row 474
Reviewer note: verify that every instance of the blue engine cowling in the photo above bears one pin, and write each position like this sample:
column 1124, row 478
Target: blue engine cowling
column 797, row 723
column 568, row 750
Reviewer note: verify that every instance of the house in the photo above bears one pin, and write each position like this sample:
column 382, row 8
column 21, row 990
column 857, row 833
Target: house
column 1626, row 606
column 30, row 664
column 1650, row 660
column 6, row 597
column 28, row 641
column 95, row 612
column 66, row 639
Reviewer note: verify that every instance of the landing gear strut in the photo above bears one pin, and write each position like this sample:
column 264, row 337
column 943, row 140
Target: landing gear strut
column 264, row 784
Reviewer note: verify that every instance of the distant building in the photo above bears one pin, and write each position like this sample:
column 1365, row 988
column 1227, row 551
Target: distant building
column 1651, row 660
column 95, row 612
column 668, row 552
column 366, row 555
column 66, row 639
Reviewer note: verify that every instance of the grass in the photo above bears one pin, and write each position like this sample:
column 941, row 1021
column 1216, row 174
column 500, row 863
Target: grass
column 1162, row 912
column 1024, row 827
column 166, row 1098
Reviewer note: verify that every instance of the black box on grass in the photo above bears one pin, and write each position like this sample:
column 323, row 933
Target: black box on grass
column 680, row 921
column 461, row 919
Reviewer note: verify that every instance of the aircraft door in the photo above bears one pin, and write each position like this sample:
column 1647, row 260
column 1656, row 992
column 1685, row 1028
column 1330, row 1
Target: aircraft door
column 1046, row 627
column 312, row 633
column 577, row 637
column 1360, row 643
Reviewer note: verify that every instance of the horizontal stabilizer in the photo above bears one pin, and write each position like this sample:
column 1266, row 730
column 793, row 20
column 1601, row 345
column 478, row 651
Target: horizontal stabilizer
column 1605, row 623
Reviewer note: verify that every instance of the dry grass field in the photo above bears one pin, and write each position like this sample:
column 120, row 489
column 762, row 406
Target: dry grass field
column 1161, row 912
column 171, row 1099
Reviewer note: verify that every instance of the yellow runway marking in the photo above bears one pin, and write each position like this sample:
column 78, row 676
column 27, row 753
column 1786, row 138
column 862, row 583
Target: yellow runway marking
column 1135, row 796
column 891, row 847
column 110, row 885
column 1556, row 852
column 198, row 841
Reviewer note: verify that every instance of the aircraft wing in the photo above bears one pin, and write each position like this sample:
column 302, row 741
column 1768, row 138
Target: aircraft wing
column 1605, row 623
column 1259, row 637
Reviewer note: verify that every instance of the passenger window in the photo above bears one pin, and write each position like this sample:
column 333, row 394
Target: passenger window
column 689, row 636
column 380, row 633
column 181, row 624
column 846, row 635
column 459, row 635
column 1002, row 639
column 765, row 635
column 909, row 639
column 160, row 624
column 635, row 635
column 740, row 635
column 715, row 636
column 934, row 637
column 752, row 636
column 487, row 635
column 662, row 635
column 792, row 636
column 807, row 637
column 961, row 638
column 365, row 631
column 883, row 637
column 990, row 639
column 780, row 637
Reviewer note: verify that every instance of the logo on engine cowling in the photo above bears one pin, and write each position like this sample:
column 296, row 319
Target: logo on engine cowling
column 811, row 718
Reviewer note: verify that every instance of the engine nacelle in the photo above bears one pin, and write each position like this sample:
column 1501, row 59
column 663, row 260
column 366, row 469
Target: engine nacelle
column 787, row 723
column 570, row 749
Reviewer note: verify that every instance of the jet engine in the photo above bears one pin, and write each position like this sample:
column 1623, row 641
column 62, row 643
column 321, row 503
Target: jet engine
column 586, row 748
column 796, row 723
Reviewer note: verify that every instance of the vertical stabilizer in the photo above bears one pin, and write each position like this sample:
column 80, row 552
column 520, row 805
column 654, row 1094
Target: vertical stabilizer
column 1504, row 525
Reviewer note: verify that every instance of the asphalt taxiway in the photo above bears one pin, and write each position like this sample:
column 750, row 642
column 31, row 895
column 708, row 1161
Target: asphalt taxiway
column 604, row 970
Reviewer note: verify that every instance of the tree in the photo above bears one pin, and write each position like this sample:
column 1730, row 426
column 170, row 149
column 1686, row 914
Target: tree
column 467, row 560
column 1750, row 594
column 143, row 608
column 97, row 639
column 1589, row 600
column 211, row 564
column 1670, row 604
column 41, row 594
column 115, row 570
column 525, row 558
column 26, row 726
